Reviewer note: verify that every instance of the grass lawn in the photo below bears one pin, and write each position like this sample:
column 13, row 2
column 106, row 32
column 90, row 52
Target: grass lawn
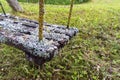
column 94, row 54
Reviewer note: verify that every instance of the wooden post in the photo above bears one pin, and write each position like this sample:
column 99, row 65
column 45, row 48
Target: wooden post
column 70, row 13
column 41, row 19
column 14, row 4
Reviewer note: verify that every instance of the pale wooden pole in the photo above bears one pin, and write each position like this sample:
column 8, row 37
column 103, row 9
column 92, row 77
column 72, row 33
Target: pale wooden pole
column 41, row 19
column 70, row 13
column 14, row 4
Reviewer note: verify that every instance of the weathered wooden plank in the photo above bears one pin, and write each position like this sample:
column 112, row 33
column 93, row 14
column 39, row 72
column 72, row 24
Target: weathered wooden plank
column 23, row 34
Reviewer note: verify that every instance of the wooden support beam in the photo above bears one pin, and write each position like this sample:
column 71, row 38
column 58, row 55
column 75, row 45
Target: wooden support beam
column 41, row 19
column 70, row 13
column 14, row 4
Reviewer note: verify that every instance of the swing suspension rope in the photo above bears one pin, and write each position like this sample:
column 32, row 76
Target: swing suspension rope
column 2, row 9
column 70, row 13
column 41, row 17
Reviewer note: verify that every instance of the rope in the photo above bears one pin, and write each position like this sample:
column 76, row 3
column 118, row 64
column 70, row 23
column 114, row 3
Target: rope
column 2, row 9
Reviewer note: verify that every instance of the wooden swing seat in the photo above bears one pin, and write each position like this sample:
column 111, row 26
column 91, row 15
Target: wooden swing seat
column 23, row 34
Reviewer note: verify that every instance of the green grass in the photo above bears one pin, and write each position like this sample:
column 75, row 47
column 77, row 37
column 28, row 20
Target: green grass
column 93, row 54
